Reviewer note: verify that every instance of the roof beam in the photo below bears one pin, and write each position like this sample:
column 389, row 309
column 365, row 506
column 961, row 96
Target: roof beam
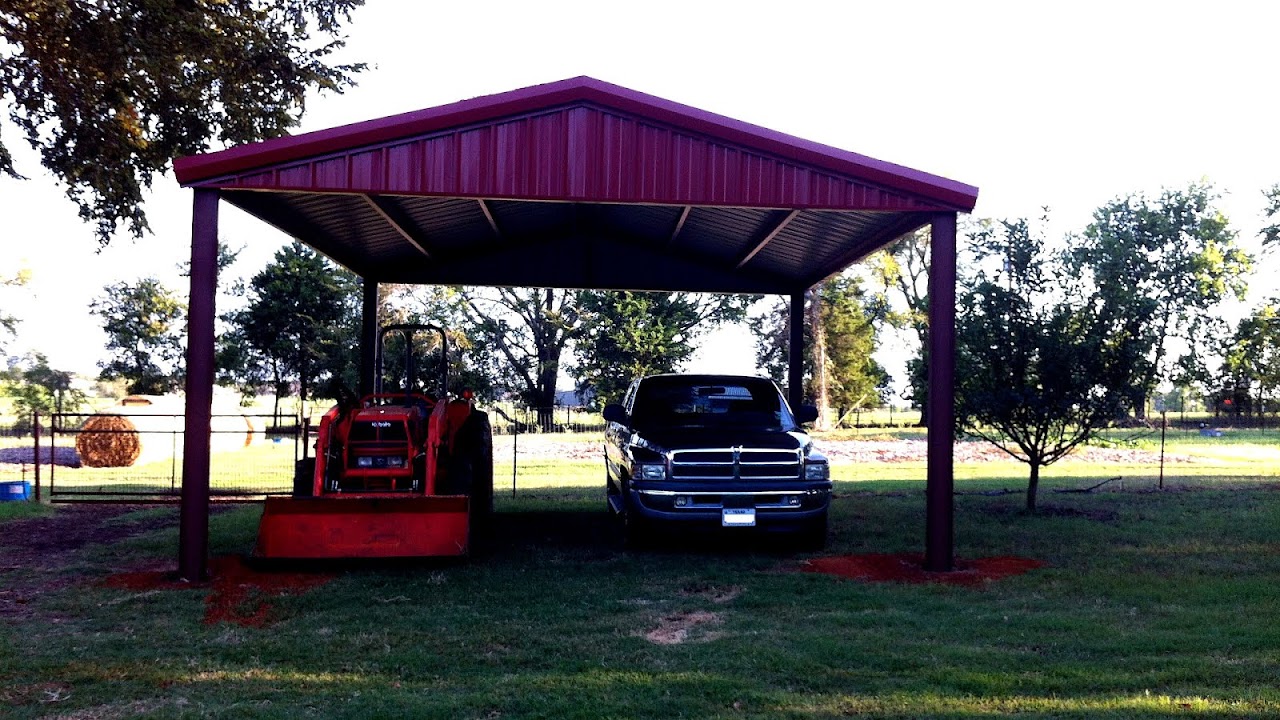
column 398, row 222
column 778, row 227
column 488, row 215
column 675, row 233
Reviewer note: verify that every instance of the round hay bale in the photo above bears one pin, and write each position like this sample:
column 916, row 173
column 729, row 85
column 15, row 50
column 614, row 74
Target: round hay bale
column 108, row 441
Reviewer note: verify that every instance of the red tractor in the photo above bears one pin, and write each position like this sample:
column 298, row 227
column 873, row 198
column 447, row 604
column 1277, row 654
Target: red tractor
column 395, row 474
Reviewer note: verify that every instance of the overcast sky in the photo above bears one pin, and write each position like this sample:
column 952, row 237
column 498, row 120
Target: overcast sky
column 1065, row 105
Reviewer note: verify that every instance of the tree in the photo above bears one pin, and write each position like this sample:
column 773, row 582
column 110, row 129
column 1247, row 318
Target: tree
column 144, row 327
column 9, row 323
column 1271, row 231
column 110, row 92
column 1166, row 264
column 843, row 375
column 301, row 322
column 1251, row 366
column 904, row 266
column 40, row 388
column 849, row 317
column 625, row 335
column 529, row 328
column 1040, row 366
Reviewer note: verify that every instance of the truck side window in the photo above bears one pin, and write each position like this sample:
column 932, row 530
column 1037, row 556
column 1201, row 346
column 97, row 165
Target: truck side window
column 630, row 398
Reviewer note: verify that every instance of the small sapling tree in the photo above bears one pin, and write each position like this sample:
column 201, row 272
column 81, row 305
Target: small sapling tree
column 1041, row 368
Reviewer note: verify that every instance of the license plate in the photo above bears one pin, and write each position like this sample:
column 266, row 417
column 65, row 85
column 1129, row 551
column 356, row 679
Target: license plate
column 738, row 517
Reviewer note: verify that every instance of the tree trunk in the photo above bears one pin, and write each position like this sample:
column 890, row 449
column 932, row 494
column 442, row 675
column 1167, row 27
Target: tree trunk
column 1033, row 484
column 548, row 373
column 821, row 380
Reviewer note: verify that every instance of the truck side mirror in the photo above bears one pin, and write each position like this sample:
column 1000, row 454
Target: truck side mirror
column 615, row 413
column 806, row 414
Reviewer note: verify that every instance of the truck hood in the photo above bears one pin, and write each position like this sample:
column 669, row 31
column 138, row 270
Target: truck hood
column 688, row 438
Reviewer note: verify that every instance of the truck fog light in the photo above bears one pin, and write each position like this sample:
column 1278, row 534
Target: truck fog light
column 791, row 500
column 682, row 501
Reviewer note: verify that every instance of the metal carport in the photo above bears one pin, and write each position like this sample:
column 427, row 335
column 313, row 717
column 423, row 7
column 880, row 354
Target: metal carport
column 572, row 184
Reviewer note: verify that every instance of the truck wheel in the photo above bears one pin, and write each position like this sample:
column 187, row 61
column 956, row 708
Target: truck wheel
column 304, row 474
column 813, row 536
column 637, row 534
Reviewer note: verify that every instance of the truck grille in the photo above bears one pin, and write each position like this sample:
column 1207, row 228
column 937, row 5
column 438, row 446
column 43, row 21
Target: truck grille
column 735, row 463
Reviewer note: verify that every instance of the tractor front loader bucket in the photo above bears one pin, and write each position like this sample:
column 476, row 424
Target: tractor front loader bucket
column 363, row 527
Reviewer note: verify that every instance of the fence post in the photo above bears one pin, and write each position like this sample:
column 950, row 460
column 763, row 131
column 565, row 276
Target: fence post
column 515, row 442
column 35, row 442
column 53, row 437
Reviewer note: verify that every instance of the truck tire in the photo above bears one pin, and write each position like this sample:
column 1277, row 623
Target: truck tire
column 813, row 536
column 304, row 473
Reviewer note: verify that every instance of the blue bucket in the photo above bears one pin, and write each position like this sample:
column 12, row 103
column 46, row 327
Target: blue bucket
column 16, row 490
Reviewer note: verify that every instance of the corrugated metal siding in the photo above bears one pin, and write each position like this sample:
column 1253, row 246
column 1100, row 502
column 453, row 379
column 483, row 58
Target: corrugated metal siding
column 584, row 154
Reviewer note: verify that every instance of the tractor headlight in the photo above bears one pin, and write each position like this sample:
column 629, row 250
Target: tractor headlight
column 817, row 471
column 651, row 471
column 364, row 462
column 395, row 462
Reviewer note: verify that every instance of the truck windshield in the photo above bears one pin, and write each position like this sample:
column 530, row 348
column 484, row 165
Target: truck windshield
column 710, row 402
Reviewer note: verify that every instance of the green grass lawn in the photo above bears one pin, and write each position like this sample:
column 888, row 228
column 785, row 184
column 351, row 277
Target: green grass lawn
column 1152, row 604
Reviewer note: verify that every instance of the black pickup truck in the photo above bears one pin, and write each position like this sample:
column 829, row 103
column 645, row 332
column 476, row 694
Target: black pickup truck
column 714, row 451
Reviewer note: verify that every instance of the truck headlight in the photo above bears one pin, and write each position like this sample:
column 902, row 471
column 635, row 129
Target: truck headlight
column 817, row 471
column 651, row 471
column 364, row 462
column 395, row 462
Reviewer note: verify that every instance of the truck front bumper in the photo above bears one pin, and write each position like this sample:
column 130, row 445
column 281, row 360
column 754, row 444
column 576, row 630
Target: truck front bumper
column 787, row 508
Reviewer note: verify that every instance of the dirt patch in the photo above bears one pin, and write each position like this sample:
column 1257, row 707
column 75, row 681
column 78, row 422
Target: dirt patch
column 33, row 552
column 909, row 568
column 684, row 627
column 238, row 594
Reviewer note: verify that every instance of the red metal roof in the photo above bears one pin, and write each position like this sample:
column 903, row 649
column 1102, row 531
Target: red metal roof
column 447, row 194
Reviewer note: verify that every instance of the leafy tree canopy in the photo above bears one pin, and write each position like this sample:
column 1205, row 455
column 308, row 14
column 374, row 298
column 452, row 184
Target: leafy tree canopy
column 847, row 319
column 856, row 380
column 1271, row 211
column 528, row 329
column 1165, row 262
column 143, row 322
column 38, row 388
column 109, row 92
column 301, row 322
column 1252, row 359
column 625, row 335
column 9, row 323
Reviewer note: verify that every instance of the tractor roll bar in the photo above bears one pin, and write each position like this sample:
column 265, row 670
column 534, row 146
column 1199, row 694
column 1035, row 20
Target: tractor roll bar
column 407, row 330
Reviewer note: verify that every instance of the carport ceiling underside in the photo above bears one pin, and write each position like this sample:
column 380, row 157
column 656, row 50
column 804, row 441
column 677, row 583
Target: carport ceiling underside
column 577, row 184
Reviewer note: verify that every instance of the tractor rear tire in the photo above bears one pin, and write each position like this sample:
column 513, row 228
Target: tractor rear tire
column 472, row 470
column 304, row 475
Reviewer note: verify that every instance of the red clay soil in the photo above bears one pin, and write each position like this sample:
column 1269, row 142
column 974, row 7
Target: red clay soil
column 909, row 568
column 237, row 593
